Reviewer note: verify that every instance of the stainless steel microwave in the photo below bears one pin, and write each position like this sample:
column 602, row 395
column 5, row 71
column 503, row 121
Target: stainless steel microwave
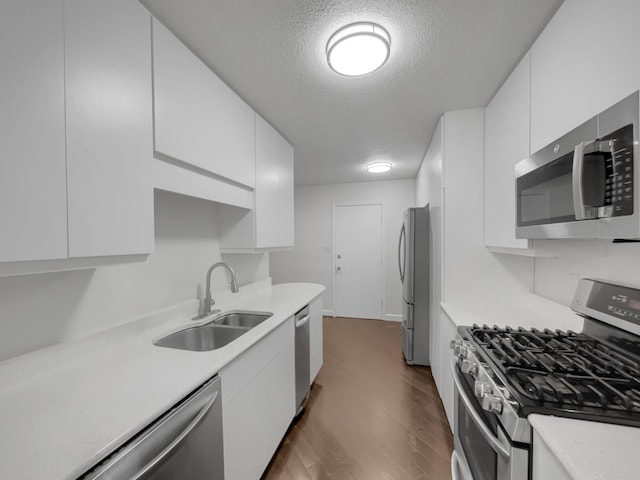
column 585, row 184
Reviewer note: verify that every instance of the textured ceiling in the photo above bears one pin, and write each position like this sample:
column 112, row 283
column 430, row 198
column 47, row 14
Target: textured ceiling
column 445, row 55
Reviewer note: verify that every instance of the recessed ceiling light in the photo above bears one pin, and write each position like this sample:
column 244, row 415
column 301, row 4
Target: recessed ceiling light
column 358, row 49
column 379, row 167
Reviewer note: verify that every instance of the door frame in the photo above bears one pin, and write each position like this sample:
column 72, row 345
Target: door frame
column 334, row 206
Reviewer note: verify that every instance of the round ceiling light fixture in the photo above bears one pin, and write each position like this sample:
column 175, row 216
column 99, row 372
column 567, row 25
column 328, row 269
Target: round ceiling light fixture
column 379, row 167
column 358, row 48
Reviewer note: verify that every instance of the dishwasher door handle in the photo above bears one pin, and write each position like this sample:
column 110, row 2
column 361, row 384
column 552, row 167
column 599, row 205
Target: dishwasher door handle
column 301, row 322
column 126, row 464
column 177, row 441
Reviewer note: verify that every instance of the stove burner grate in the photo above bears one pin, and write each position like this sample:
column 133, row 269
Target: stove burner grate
column 566, row 368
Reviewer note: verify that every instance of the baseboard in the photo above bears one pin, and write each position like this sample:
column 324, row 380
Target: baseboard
column 327, row 313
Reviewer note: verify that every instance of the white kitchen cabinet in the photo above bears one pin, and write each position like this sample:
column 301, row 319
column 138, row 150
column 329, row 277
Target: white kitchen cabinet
column 199, row 121
column 574, row 74
column 258, row 402
column 315, row 338
column 506, row 143
column 444, row 379
column 109, row 128
column 269, row 225
column 545, row 464
column 33, row 205
column 76, row 96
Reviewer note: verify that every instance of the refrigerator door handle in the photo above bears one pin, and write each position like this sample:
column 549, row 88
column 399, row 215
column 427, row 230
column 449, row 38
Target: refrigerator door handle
column 401, row 258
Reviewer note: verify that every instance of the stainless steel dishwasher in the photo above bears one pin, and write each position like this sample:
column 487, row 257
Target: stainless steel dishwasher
column 185, row 443
column 303, row 371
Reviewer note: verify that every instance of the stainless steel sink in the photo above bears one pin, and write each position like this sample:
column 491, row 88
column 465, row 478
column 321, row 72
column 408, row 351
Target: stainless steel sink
column 242, row 319
column 220, row 331
column 201, row 339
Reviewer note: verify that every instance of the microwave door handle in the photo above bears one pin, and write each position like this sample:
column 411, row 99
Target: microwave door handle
column 487, row 434
column 578, row 192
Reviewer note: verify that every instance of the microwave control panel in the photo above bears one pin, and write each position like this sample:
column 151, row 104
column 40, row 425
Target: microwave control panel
column 619, row 172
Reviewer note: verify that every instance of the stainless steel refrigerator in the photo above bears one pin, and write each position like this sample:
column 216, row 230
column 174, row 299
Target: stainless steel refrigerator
column 414, row 266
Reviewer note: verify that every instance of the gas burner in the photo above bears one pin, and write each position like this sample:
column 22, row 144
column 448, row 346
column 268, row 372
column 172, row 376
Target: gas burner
column 565, row 368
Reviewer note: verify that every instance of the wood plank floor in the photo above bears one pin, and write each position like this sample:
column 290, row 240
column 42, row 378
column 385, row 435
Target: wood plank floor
column 369, row 416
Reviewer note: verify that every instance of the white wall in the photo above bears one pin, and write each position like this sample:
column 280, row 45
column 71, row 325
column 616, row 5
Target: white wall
column 556, row 277
column 44, row 309
column 569, row 98
column 311, row 260
column 471, row 272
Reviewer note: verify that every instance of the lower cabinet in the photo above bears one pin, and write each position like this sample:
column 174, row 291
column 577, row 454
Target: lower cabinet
column 258, row 403
column 442, row 357
column 545, row 464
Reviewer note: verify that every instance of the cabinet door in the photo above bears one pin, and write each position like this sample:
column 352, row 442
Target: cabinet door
column 109, row 127
column 274, row 188
column 445, row 387
column 584, row 61
column 33, row 205
column 315, row 338
column 506, row 143
column 198, row 119
column 545, row 464
column 269, row 226
column 258, row 392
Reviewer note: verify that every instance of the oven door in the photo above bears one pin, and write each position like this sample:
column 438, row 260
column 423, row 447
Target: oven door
column 482, row 451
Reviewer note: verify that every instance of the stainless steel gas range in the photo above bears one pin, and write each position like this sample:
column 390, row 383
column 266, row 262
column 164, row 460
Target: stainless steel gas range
column 502, row 375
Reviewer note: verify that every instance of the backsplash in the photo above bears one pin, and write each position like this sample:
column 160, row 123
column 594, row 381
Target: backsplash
column 556, row 275
column 44, row 309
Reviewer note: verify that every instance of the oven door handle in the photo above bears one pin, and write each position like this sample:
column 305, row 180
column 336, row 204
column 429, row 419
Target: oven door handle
column 458, row 465
column 488, row 435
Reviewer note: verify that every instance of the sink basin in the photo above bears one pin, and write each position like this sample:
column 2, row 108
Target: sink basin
column 202, row 338
column 242, row 319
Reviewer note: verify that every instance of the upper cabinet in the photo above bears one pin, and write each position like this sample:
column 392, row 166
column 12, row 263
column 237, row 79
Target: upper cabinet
column 506, row 143
column 274, row 188
column 109, row 127
column 76, row 96
column 200, row 123
column 583, row 62
column 33, row 199
column 270, row 224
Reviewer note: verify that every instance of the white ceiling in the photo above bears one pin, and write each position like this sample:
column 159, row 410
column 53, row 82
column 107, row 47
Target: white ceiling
column 445, row 55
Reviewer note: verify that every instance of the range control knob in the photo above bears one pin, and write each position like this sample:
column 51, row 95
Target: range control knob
column 482, row 389
column 455, row 346
column 470, row 367
column 492, row 404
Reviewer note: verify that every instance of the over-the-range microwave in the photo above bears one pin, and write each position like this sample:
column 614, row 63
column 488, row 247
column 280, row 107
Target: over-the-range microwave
column 585, row 184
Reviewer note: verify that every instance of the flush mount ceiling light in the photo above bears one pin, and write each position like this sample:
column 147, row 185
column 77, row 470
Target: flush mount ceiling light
column 379, row 167
column 358, row 49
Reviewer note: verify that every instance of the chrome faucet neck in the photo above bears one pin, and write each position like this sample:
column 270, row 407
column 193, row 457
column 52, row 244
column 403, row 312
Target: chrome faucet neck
column 208, row 300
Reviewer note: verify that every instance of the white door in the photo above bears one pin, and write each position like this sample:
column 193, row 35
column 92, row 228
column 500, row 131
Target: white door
column 357, row 253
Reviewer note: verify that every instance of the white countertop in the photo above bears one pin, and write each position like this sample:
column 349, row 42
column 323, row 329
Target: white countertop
column 591, row 450
column 587, row 450
column 533, row 311
column 64, row 408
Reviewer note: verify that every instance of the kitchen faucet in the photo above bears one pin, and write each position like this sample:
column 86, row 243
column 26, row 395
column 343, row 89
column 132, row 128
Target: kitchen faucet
column 208, row 300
